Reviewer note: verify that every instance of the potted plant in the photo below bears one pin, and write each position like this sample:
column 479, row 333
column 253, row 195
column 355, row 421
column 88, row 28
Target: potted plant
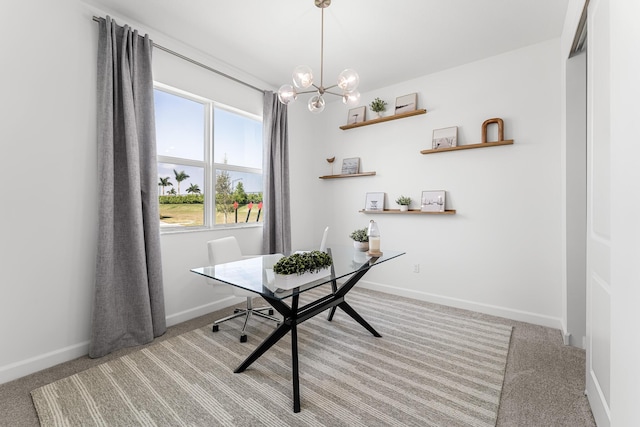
column 377, row 106
column 404, row 203
column 301, row 267
column 360, row 239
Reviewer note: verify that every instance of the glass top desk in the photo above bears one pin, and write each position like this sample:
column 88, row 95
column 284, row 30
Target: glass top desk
column 253, row 274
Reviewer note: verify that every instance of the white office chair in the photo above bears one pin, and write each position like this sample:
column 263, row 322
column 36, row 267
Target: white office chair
column 227, row 250
column 323, row 243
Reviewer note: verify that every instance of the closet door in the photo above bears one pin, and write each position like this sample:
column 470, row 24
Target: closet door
column 598, row 213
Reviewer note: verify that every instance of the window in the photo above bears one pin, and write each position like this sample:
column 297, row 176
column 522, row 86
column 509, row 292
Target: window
column 209, row 162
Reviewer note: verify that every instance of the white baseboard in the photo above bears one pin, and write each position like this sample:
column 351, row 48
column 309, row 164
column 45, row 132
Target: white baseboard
column 29, row 366
column 493, row 310
column 192, row 313
column 597, row 401
column 32, row 365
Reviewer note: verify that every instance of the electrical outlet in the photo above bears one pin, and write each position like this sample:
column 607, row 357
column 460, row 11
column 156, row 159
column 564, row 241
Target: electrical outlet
column 416, row 268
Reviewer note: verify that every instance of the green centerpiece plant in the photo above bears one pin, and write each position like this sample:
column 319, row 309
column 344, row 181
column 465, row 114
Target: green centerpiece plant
column 303, row 262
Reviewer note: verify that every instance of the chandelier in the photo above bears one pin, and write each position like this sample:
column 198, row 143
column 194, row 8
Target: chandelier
column 303, row 79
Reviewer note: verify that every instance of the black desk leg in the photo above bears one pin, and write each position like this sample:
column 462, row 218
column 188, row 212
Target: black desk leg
column 351, row 312
column 294, row 368
column 275, row 336
column 334, row 288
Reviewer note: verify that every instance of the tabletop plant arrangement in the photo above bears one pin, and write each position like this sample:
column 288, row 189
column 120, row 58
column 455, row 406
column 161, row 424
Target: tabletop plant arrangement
column 303, row 262
column 404, row 202
column 301, row 267
column 360, row 239
column 378, row 106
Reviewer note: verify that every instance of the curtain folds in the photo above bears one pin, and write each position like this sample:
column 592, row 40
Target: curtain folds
column 128, row 304
column 277, row 219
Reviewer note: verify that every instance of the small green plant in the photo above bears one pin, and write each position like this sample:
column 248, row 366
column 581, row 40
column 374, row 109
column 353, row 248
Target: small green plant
column 359, row 235
column 377, row 105
column 403, row 200
column 303, row 262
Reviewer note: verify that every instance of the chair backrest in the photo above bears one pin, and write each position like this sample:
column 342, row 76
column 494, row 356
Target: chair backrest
column 224, row 250
column 323, row 243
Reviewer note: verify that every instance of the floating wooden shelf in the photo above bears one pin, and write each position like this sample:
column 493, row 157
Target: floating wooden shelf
column 469, row 146
column 384, row 119
column 410, row 212
column 347, row 175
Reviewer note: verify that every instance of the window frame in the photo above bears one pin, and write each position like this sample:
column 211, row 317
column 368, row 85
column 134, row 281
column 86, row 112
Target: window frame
column 210, row 168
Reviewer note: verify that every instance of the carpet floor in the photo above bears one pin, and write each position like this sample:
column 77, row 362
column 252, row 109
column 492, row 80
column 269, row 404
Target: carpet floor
column 431, row 368
column 544, row 381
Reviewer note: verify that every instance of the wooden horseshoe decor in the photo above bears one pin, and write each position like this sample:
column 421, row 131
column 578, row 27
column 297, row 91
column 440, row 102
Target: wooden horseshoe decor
column 500, row 129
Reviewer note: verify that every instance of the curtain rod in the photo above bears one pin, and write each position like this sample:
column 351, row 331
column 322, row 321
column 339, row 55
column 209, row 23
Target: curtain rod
column 199, row 64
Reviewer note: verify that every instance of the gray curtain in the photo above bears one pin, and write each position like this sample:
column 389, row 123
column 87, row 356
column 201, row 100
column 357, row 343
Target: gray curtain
column 128, row 304
column 277, row 219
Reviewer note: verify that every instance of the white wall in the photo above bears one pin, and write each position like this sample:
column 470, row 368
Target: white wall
column 49, row 222
column 501, row 252
column 50, row 204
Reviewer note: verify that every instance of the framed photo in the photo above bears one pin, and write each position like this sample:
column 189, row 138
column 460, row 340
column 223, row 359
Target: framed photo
column 432, row 201
column 374, row 202
column 406, row 103
column 356, row 115
column 351, row 166
column 445, row 138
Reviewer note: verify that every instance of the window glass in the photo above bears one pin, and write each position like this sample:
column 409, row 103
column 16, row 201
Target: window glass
column 238, row 139
column 181, row 195
column 180, row 126
column 238, row 197
column 193, row 189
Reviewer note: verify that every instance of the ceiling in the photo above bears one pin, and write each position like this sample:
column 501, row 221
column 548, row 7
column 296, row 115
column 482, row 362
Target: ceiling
column 385, row 41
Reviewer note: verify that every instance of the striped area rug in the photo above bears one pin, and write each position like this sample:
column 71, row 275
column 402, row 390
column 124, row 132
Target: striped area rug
column 433, row 366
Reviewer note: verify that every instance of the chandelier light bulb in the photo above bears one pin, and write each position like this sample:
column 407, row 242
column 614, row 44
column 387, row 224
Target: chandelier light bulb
column 316, row 104
column 302, row 77
column 287, row 94
column 348, row 80
column 351, row 98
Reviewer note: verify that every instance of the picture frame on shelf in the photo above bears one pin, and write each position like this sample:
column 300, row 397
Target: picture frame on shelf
column 445, row 137
column 374, row 202
column 356, row 115
column 406, row 103
column 433, row 201
column 350, row 166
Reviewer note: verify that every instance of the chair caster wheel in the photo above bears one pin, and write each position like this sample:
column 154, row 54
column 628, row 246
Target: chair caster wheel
column 215, row 328
column 270, row 312
column 243, row 338
column 236, row 310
